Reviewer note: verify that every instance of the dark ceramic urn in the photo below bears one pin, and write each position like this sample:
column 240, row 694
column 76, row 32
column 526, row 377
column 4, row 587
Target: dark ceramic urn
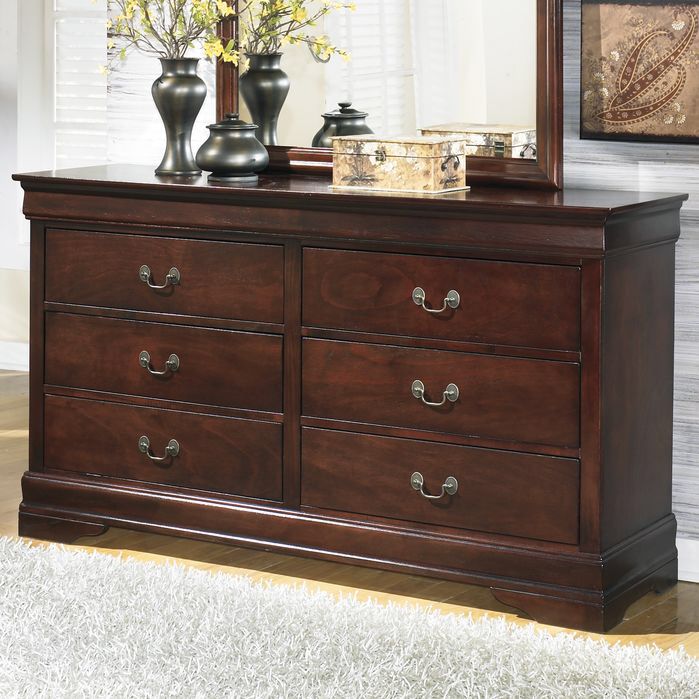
column 344, row 121
column 264, row 87
column 179, row 94
column 232, row 153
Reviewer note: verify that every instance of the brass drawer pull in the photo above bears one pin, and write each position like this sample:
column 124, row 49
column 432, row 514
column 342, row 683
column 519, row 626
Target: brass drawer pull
column 451, row 300
column 451, row 394
column 171, row 366
column 146, row 276
column 171, row 451
column 449, row 487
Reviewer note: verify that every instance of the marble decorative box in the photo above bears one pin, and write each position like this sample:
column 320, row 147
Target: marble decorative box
column 490, row 140
column 419, row 164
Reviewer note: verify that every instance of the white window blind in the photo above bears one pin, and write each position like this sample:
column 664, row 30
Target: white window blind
column 379, row 77
column 78, row 30
column 107, row 118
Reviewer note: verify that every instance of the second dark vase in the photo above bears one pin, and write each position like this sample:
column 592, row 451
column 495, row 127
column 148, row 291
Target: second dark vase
column 264, row 87
column 179, row 94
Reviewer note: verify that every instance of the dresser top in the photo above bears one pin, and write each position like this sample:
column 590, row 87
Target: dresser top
column 308, row 191
column 572, row 222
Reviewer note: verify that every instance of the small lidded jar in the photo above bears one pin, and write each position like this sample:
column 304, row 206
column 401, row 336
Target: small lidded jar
column 232, row 153
column 342, row 122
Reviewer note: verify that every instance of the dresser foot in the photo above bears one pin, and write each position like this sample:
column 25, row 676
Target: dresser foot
column 556, row 611
column 63, row 531
column 588, row 616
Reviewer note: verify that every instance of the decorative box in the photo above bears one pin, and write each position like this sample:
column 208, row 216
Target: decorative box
column 490, row 140
column 419, row 164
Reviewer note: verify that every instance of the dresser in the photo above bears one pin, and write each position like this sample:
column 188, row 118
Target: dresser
column 476, row 387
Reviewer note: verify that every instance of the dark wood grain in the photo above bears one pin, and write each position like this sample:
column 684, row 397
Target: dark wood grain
column 591, row 421
column 500, row 492
column 505, row 303
column 238, row 370
column 599, row 395
column 571, row 579
column 441, row 437
column 637, row 391
column 512, row 399
column 292, row 375
column 58, row 529
column 223, row 280
column 36, row 345
column 439, row 344
column 215, row 452
column 567, row 223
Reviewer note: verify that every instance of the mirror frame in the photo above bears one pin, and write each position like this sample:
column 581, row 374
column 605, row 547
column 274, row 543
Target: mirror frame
column 546, row 172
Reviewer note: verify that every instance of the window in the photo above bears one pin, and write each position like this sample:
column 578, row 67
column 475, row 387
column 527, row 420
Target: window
column 106, row 118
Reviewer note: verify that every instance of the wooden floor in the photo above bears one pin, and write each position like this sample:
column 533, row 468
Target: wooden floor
column 669, row 619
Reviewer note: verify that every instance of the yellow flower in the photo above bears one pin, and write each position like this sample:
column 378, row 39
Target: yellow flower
column 299, row 14
column 213, row 48
column 224, row 8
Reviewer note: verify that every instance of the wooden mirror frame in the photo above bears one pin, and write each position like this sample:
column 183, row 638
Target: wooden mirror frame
column 546, row 172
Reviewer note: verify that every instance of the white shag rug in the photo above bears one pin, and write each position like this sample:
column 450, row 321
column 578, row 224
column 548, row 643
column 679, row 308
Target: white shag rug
column 79, row 624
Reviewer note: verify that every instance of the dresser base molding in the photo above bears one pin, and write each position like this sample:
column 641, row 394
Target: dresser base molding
column 545, row 585
column 598, row 616
column 58, row 529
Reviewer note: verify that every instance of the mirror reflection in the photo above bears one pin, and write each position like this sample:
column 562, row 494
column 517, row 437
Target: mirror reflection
column 420, row 66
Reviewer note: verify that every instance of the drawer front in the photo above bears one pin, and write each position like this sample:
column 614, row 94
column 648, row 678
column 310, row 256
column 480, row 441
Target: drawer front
column 500, row 492
column 216, row 367
column 239, row 457
column 521, row 400
column 505, row 303
column 220, row 280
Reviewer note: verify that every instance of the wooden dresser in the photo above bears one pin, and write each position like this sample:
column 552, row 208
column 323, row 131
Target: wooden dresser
column 476, row 387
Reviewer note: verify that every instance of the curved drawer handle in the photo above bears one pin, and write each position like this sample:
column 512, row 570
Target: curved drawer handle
column 451, row 300
column 451, row 394
column 171, row 450
column 171, row 366
column 449, row 487
column 172, row 279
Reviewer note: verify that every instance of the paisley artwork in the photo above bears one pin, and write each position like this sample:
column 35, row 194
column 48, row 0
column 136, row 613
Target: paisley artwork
column 640, row 70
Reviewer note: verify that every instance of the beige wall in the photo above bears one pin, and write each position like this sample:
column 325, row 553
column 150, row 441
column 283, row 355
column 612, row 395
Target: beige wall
column 22, row 148
column 14, row 306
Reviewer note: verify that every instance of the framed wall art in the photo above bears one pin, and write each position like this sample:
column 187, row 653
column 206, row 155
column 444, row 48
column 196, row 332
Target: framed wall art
column 640, row 70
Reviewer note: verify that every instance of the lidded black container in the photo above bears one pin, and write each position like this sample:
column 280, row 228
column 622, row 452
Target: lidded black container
column 342, row 122
column 232, row 153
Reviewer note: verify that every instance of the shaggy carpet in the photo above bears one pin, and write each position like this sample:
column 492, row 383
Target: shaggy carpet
column 77, row 624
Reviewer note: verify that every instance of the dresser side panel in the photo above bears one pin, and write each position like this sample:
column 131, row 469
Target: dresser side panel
column 36, row 346
column 637, row 391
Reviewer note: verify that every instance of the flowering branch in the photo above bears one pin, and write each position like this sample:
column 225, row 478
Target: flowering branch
column 169, row 28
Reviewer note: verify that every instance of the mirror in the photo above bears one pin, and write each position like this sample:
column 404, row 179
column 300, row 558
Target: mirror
column 427, row 66
column 420, row 65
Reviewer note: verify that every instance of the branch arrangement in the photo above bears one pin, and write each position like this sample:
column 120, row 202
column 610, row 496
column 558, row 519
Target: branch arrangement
column 267, row 25
column 169, row 28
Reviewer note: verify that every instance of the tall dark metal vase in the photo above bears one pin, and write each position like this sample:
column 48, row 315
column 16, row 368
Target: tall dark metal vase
column 179, row 94
column 264, row 87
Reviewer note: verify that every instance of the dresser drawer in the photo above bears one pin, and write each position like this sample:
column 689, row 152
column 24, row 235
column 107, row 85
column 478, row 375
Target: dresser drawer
column 216, row 367
column 501, row 492
column 505, row 303
column 521, row 400
column 240, row 457
column 220, row 280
